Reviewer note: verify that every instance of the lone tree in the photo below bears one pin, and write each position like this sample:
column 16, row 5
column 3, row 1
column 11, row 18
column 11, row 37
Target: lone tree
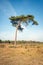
column 18, row 20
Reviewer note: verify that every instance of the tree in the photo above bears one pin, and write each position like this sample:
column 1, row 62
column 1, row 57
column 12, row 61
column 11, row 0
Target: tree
column 0, row 41
column 18, row 20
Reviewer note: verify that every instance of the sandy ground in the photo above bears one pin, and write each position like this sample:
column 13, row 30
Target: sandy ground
column 29, row 54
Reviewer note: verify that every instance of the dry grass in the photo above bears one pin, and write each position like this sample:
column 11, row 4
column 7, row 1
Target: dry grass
column 30, row 54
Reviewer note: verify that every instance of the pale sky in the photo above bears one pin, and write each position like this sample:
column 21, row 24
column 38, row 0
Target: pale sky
column 18, row 7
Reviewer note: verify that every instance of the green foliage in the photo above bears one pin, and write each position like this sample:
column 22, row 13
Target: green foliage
column 35, row 22
column 0, row 41
column 20, row 42
column 22, row 19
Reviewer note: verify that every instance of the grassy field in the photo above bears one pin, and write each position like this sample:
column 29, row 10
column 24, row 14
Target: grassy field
column 23, row 54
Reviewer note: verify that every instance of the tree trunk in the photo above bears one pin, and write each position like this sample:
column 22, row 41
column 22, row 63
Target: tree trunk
column 16, row 35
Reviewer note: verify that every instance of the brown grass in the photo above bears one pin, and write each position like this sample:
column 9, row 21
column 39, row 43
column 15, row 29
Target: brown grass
column 23, row 54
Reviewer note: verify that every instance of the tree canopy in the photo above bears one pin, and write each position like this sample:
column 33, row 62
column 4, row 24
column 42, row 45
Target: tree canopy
column 22, row 19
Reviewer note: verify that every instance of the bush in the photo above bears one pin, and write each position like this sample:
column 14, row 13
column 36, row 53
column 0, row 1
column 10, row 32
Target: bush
column 0, row 41
column 2, row 46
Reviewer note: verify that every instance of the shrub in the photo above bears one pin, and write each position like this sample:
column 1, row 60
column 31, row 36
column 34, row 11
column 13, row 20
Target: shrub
column 2, row 45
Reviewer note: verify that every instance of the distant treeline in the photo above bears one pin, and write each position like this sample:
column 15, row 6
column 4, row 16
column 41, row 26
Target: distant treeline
column 23, row 41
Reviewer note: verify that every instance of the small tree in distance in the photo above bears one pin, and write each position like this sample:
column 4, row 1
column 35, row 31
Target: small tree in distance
column 18, row 20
